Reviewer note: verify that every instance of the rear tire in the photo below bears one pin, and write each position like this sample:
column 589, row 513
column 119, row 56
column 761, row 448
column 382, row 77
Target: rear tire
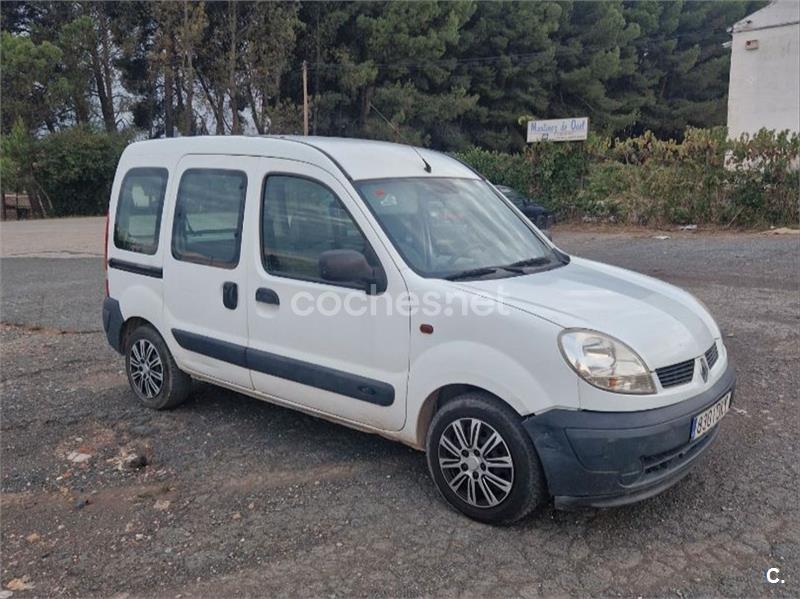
column 154, row 377
column 483, row 462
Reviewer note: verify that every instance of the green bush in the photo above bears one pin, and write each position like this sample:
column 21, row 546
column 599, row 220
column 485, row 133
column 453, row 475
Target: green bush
column 69, row 172
column 546, row 172
column 512, row 170
column 763, row 178
column 705, row 179
column 606, row 191
column 650, row 181
column 557, row 168
column 75, row 169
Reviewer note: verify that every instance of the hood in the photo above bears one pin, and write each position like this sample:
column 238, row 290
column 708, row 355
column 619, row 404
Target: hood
column 660, row 322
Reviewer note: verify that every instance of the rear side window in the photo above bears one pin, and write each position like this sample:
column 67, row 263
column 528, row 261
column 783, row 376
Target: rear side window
column 138, row 219
column 301, row 219
column 208, row 217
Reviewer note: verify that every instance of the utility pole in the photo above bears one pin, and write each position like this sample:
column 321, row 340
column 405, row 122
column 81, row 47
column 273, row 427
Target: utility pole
column 305, row 98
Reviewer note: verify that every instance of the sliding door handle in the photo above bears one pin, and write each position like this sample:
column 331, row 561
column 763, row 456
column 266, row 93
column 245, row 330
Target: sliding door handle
column 267, row 296
column 230, row 295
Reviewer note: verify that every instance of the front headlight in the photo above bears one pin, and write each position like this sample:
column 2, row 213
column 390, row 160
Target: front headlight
column 605, row 362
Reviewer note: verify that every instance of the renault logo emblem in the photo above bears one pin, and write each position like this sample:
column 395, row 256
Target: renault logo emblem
column 704, row 369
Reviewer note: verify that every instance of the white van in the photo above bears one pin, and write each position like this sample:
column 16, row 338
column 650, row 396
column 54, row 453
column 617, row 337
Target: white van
column 394, row 290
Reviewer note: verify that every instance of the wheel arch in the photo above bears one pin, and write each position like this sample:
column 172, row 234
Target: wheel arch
column 438, row 398
column 117, row 327
column 130, row 325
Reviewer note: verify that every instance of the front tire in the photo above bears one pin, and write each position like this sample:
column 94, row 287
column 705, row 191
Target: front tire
column 483, row 462
column 154, row 377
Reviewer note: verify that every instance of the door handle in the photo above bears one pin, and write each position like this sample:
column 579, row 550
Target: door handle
column 230, row 295
column 267, row 296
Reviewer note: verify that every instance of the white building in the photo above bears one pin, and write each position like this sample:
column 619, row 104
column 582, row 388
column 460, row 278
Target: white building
column 764, row 88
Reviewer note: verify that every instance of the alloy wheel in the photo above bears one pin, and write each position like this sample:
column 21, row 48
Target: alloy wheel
column 476, row 462
column 147, row 370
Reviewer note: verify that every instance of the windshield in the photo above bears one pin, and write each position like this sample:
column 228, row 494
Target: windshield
column 453, row 227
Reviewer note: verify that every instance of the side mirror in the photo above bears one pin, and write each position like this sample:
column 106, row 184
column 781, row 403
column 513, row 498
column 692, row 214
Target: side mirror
column 350, row 266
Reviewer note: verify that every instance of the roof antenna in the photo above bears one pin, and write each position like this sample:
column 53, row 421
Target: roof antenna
column 400, row 135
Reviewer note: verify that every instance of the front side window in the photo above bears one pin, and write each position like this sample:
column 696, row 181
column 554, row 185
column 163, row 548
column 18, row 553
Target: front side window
column 301, row 219
column 452, row 227
column 138, row 220
column 208, row 217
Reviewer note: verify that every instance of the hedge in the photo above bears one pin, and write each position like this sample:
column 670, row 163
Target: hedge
column 76, row 169
column 70, row 172
column 705, row 179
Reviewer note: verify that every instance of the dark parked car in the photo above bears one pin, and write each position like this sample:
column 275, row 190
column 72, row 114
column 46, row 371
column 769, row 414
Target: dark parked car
column 536, row 213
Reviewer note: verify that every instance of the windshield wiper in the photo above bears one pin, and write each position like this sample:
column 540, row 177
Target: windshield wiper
column 468, row 274
column 515, row 267
column 529, row 262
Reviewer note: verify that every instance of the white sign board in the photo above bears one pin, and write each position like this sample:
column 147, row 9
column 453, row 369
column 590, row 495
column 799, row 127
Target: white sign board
column 558, row 130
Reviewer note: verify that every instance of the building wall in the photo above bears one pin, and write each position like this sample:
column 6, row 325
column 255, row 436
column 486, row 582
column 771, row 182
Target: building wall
column 764, row 86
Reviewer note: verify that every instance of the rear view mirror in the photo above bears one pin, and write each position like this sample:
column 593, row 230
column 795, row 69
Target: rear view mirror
column 350, row 266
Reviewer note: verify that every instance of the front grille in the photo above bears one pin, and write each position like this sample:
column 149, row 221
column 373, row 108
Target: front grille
column 712, row 354
column 676, row 374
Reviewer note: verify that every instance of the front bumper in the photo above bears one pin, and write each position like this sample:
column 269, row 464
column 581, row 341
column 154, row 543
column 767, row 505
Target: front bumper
column 605, row 459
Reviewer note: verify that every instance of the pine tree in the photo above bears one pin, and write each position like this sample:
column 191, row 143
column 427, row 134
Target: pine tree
column 394, row 56
column 34, row 90
column 507, row 58
column 683, row 66
column 270, row 32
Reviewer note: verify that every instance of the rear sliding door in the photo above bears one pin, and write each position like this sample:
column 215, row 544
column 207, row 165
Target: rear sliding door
column 205, row 279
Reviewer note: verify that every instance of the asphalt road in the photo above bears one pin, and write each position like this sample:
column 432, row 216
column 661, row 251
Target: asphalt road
column 60, row 294
column 239, row 497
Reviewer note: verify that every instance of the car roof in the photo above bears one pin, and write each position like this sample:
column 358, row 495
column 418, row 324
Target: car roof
column 358, row 158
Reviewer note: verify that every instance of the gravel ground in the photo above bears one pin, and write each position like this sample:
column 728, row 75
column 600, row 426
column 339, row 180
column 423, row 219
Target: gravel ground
column 239, row 497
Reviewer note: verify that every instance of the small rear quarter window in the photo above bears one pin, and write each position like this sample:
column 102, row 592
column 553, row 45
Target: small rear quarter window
column 138, row 220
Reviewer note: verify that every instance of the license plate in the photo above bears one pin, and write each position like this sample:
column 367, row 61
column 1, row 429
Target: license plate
column 705, row 420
